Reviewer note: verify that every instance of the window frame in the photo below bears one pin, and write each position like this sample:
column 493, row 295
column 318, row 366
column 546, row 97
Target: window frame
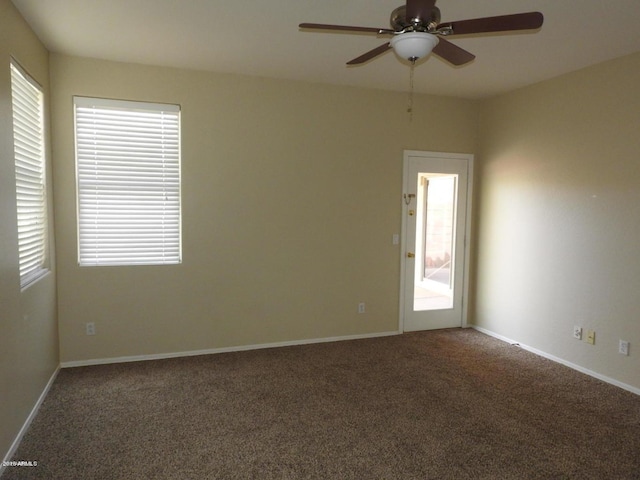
column 118, row 198
column 30, row 159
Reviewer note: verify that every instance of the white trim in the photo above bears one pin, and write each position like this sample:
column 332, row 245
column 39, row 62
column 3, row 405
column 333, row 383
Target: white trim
column 403, row 241
column 27, row 423
column 90, row 102
column 566, row 363
column 212, row 351
column 467, row 244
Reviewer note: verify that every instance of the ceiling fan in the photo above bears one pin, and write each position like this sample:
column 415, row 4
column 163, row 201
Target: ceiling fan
column 417, row 32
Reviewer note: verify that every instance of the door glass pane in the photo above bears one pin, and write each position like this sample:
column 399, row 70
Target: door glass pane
column 435, row 240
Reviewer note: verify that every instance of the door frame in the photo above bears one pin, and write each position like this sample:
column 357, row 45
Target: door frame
column 467, row 238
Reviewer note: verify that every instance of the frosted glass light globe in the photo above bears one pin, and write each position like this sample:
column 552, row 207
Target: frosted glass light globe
column 414, row 45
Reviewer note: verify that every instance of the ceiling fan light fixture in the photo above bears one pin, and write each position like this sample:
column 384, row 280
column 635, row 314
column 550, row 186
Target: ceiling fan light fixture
column 414, row 45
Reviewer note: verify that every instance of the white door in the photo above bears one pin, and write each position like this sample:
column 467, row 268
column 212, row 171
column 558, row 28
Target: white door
column 434, row 254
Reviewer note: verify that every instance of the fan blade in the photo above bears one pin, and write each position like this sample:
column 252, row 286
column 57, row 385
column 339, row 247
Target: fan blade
column 370, row 54
column 419, row 9
column 347, row 28
column 503, row 23
column 452, row 53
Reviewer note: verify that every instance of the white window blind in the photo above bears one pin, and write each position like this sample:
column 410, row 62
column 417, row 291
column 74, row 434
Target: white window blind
column 28, row 143
column 128, row 174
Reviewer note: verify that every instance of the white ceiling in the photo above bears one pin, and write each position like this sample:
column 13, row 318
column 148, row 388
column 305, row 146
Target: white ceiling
column 260, row 37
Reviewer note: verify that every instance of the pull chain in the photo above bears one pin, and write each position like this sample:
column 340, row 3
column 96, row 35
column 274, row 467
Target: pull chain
column 410, row 105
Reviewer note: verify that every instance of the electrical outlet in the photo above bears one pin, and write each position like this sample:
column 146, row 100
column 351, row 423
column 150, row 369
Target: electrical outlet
column 361, row 307
column 91, row 328
column 591, row 337
column 623, row 347
column 577, row 332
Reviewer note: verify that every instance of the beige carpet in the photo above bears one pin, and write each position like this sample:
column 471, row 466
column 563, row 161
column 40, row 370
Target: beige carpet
column 452, row 404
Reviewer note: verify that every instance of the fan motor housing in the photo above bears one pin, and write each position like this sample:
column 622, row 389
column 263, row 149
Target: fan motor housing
column 400, row 22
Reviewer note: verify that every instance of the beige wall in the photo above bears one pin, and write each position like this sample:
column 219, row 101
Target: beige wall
column 291, row 195
column 28, row 329
column 559, row 216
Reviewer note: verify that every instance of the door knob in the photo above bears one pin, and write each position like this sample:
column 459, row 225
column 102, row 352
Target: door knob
column 410, row 254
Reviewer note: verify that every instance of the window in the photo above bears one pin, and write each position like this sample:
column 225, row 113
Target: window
column 27, row 102
column 128, row 174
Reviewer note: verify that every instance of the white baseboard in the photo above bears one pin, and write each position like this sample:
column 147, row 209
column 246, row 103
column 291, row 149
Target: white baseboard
column 562, row 361
column 240, row 348
column 27, row 423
